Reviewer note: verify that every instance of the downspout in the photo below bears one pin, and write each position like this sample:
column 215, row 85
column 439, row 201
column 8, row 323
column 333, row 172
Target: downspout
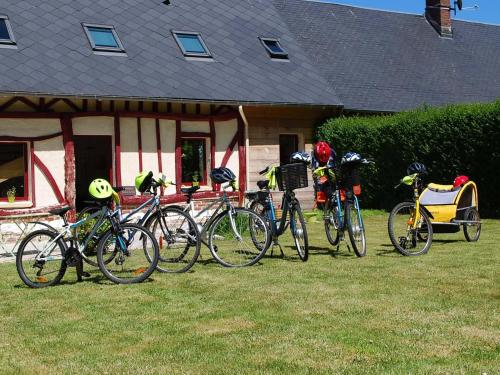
column 247, row 144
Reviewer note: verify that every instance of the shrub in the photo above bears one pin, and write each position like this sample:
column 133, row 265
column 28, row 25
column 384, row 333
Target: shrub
column 453, row 140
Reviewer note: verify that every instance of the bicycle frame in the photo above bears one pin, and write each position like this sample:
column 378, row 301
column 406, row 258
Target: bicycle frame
column 287, row 202
column 69, row 233
column 220, row 202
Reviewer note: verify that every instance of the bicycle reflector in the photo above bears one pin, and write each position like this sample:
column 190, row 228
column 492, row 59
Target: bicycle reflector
column 140, row 270
column 320, row 197
column 342, row 195
column 356, row 189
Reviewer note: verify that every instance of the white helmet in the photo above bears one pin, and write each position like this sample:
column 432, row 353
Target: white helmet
column 301, row 157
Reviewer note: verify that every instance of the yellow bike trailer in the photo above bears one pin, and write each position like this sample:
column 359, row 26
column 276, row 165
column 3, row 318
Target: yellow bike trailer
column 453, row 207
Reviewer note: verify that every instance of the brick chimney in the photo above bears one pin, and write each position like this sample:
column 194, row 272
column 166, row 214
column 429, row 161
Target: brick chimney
column 438, row 14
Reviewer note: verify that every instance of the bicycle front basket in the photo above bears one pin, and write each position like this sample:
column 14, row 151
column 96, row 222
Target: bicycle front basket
column 291, row 176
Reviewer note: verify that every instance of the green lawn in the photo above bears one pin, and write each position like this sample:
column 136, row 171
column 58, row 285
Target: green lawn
column 385, row 313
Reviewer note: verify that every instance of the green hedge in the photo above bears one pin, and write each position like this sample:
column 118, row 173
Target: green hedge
column 453, row 140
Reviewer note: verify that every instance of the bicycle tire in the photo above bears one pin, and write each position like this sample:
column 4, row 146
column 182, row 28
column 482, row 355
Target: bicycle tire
column 472, row 214
column 302, row 249
column 39, row 279
column 139, row 272
column 355, row 231
column 401, row 242
column 185, row 234
column 90, row 251
column 221, row 232
column 329, row 218
column 261, row 210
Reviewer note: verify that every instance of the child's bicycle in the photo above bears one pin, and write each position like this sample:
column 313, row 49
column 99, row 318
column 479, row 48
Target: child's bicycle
column 410, row 227
column 341, row 210
column 126, row 253
column 288, row 178
column 175, row 231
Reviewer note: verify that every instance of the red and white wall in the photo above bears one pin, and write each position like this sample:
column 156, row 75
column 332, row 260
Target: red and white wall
column 145, row 136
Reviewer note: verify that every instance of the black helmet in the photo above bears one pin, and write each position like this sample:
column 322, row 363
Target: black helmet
column 221, row 175
column 416, row 168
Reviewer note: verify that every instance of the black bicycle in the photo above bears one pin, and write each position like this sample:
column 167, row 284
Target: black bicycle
column 174, row 230
column 288, row 178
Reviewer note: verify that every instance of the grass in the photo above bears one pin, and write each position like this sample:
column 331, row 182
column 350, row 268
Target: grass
column 385, row 313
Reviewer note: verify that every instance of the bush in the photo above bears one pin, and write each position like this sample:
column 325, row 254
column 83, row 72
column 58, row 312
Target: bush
column 450, row 141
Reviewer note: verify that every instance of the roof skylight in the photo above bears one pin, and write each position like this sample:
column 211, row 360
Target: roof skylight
column 191, row 44
column 6, row 35
column 274, row 48
column 103, row 38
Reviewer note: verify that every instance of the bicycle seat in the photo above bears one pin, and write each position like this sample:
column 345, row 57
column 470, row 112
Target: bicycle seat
column 442, row 188
column 263, row 184
column 59, row 211
column 190, row 190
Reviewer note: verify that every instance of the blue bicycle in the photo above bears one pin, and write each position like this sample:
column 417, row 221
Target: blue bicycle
column 338, row 191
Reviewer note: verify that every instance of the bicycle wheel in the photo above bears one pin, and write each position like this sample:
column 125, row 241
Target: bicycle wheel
column 332, row 225
column 230, row 240
column 178, row 239
column 407, row 238
column 472, row 230
column 40, row 260
column 135, row 254
column 256, row 227
column 299, row 232
column 356, row 229
column 84, row 230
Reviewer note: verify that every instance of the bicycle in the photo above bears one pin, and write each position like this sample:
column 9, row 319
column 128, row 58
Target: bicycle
column 341, row 209
column 44, row 255
column 288, row 178
column 175, row 231
column 409, row 223
column 235, row 236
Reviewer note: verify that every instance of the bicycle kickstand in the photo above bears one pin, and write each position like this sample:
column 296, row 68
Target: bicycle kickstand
column 276, row 243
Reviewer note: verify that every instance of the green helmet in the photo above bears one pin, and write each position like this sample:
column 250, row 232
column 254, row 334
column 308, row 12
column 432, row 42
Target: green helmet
column 100, row 189
column 143, row 181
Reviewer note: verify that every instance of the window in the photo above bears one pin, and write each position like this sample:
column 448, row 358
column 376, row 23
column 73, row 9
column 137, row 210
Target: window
column 191, row 44
column 13, row 171
column 6, row 35
column 103, row 38
column 194, row 161
column 274, row 48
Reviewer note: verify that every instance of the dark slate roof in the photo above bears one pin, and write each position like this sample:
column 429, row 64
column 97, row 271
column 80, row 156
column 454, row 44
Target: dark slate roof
column 54, row 56
column 386, row 61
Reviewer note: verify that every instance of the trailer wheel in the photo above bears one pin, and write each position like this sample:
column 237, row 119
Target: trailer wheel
column 472, row 230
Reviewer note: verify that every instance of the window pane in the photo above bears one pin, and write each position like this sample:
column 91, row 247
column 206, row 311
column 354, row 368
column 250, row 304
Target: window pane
column 12, row 169
column 274, row 46
column 4, row 33
column 103, row 37
column 193, row 160
column 191, row 43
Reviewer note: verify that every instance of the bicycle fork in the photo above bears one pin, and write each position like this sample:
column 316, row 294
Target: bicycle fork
column 233, row 224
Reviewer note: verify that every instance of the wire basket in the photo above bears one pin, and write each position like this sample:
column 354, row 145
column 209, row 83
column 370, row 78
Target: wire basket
column 291, row 176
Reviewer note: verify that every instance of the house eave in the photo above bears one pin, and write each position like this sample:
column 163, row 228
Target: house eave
column 167, row 99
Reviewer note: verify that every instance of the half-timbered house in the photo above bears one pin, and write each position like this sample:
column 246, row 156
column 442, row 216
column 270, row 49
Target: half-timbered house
column 109, row 88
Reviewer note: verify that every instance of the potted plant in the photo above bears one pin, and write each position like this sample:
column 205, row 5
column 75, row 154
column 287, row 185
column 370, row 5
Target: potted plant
column 11, row 194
